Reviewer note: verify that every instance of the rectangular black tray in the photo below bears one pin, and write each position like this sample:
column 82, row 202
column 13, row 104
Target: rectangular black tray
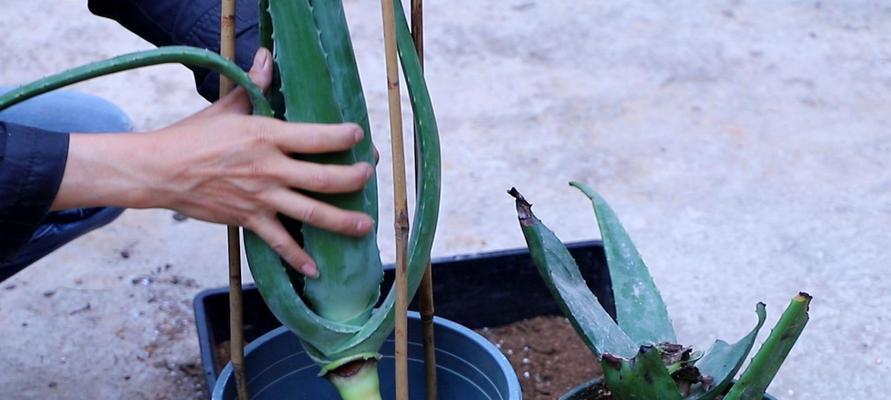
column 475, row 290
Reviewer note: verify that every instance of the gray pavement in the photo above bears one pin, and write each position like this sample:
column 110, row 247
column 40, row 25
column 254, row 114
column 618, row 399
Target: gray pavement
column 745, row 144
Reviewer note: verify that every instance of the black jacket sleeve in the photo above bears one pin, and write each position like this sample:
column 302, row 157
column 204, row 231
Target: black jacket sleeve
column 193, row 23
column 32, row 163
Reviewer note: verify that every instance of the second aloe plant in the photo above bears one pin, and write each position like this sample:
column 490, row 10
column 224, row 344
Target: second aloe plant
column 639, row 353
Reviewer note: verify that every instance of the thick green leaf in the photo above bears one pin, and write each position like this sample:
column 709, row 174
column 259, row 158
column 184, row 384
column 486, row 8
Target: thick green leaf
column 642, row 378
column 350, row 268
column 766, row 363
column 334, row 37
column 567, row 286
column 423, row 227
column 723, row 360
column 640, row 311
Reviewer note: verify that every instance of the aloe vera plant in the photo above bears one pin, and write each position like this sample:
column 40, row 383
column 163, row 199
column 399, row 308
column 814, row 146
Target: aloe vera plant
column 318, row 81
column 638, row 350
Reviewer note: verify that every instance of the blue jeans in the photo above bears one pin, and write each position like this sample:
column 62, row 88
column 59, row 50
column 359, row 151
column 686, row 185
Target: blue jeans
column 63, row 111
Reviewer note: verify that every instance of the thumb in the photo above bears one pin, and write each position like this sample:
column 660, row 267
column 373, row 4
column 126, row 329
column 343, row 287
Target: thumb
column 261, row 70
column 260, row 73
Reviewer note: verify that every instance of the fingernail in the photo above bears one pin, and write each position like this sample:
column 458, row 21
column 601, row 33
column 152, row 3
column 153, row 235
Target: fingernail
column 261, row 59
column 309, row 270
column 368, row 171
column 357, row 135
column 362, row 225
column 267, row 59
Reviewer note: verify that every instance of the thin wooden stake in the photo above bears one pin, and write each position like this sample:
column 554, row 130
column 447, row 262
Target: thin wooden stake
column 236, row 310
column 399, row 198
column 426, row 295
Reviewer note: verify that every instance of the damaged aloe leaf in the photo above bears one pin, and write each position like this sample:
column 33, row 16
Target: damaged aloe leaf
column 564, row 280
column 640, row 358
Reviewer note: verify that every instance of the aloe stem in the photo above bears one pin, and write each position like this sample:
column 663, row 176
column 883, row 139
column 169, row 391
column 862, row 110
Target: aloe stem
column 357, row 381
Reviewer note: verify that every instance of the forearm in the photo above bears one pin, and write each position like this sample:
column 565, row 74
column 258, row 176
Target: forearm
column 108, row 170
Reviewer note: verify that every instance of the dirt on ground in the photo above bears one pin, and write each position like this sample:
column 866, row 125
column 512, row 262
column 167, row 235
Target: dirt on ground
column 547, row 354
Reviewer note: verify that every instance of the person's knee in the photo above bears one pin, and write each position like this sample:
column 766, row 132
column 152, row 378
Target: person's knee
column 68, row 111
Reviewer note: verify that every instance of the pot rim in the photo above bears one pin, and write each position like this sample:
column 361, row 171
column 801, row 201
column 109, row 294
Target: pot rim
column 513, row 383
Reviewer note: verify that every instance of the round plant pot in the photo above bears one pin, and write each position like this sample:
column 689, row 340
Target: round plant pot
column 583, row 391
column 468, row 368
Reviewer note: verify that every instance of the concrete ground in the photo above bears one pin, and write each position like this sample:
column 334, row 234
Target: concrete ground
column 746, row 146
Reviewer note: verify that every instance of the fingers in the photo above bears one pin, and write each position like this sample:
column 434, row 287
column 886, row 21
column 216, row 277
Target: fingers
column 272, row 231
column 321, row 178
column 307, row 138
column 319, row 214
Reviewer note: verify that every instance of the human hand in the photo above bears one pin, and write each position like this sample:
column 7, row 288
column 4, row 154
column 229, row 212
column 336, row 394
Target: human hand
column 222, row 165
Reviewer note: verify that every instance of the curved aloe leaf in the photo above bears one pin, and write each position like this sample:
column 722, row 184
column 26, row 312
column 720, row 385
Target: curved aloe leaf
column 640, row 311
column 567, row 286
column 642, row 378
column 767, row 361
column 163, row 55
column 723, row 360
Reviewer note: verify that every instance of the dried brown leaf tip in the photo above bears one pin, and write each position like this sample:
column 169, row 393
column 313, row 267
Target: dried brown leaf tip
column 524, row 208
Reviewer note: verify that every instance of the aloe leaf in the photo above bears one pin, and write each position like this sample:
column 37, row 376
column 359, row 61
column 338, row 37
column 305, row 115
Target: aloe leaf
column 640, row 311
column 723, row 360
column 766, row 363
column 423, row 226
column 350, row 268
column 567, row 286
column 642, row 378
column 272, row 280
column 334, row 37
column 163, row 55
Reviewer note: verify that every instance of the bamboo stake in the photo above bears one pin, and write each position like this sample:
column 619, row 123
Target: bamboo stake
column 236, row 311
column 399, row 198
column 426, row 298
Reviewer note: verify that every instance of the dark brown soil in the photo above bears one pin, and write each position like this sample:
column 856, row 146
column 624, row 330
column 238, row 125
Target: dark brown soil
column 547, row 354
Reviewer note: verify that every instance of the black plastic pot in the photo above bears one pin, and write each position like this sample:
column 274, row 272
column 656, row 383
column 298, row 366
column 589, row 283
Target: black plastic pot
column 580, row 392
column 477, row 290
column 468, row 367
